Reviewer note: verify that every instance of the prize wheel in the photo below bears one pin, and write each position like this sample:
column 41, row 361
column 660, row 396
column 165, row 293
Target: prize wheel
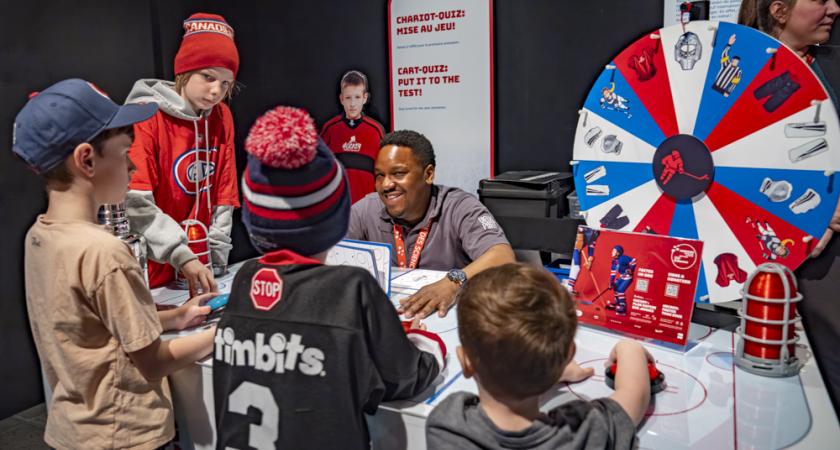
column 712, row 131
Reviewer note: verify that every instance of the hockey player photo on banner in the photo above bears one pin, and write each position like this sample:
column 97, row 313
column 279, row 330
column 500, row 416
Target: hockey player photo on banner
column 637, row 283
column 353, row 136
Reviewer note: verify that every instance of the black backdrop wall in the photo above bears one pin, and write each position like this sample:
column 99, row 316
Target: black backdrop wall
column 547, row 55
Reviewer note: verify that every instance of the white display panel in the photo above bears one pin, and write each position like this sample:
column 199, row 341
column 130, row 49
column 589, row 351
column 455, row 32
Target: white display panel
column 441, row 74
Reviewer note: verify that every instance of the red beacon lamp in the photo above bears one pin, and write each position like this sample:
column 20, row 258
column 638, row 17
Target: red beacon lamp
column 768, row 317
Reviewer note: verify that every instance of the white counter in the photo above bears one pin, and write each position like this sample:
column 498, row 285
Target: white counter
column 709, row 403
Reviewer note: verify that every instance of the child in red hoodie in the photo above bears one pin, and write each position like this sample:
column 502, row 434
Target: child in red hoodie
column 185, row 184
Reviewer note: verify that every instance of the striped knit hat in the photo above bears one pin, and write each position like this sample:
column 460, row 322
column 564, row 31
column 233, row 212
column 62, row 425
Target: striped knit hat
column 296, row 195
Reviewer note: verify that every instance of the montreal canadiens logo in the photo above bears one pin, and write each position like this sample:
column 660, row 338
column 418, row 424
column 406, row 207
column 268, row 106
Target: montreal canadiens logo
column 683, row 256
column 193, row 167
column 266, row 289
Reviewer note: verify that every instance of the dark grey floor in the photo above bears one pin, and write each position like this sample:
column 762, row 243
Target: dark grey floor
column 24, row 430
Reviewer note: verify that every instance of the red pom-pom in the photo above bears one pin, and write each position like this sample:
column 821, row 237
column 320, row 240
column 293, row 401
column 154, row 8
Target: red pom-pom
column 283, row 138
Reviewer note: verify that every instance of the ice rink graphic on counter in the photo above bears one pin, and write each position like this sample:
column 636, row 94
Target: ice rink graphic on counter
column 697, row 409
column 707, row 403
column 713, row 131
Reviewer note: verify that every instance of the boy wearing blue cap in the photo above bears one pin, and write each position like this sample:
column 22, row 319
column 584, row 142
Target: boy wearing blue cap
column 92, row 317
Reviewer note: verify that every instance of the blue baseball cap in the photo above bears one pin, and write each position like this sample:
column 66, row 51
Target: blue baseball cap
column 56, row 120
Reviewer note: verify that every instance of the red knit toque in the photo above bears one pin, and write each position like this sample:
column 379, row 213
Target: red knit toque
column 208, row 42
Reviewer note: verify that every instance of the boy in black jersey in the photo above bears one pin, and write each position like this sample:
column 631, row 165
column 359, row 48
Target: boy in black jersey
column 303, row 349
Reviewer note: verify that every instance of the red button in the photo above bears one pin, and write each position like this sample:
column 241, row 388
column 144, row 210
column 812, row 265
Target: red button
column 652, row 371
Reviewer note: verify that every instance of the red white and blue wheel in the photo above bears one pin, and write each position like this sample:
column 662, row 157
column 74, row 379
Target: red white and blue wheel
column 713, row 131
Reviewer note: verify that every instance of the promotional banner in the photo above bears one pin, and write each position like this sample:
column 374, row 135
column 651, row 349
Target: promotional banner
column 637, row 283
column 441, row 66
column 719, row 10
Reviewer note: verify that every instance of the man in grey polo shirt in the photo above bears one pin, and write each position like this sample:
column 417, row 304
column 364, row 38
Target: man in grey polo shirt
column 430, row 226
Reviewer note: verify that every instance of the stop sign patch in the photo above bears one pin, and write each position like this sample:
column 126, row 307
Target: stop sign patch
column 266, row 288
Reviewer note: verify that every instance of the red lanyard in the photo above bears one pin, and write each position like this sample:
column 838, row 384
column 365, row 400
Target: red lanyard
column 418, row 246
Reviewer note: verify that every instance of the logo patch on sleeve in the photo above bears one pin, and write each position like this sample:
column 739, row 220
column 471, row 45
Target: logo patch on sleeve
column 487, row 222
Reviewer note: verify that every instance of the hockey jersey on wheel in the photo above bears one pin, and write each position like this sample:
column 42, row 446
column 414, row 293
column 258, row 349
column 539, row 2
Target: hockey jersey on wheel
column 355, row 143
column 304, row 349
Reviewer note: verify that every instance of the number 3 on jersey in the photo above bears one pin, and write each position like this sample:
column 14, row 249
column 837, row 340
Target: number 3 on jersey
column 260, row 436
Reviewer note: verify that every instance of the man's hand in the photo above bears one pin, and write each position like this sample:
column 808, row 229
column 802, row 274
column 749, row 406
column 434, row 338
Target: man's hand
column 732, row 40
column 833, row 227
column 574, row 373
column 588, row 262
column 198, row 276
column 439, row 296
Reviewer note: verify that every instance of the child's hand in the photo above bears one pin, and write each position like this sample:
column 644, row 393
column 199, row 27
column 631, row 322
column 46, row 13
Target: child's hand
column 833, row 227
column 194, row 311
column 632, row 378
column 198, row 276
column 624, row 347
column 416, row 324
column 574, row 373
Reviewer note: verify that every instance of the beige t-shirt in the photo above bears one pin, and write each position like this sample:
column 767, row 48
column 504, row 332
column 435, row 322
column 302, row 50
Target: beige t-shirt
column 88, row 308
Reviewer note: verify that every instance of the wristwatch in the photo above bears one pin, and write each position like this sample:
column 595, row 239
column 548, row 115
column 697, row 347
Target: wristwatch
column 457, row 276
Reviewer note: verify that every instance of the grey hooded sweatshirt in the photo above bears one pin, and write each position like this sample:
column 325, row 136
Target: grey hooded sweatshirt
column 165, row 238
column 459, row 423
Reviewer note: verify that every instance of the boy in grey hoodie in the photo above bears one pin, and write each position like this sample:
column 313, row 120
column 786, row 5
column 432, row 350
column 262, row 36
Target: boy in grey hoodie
column 517, row 327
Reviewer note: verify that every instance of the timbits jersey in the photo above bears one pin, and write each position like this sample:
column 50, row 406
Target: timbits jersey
column 303, row 350
column 355, row 143
column 623, row 267
column 170, row 159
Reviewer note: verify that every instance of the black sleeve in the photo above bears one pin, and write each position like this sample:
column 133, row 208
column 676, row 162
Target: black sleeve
column 403, row 370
